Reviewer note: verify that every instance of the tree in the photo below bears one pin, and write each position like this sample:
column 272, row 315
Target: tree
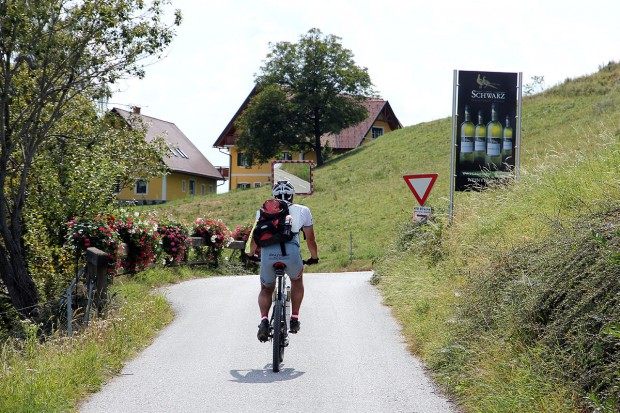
column 51, row 53
column 75, row 174
column 303, row 91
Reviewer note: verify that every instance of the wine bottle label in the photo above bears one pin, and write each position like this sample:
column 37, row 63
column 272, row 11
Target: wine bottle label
column 508, row 144
column 467, row 144
column 480, row 144
column 494, row 147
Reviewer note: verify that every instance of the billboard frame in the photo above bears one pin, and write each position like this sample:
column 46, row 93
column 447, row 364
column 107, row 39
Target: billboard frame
column 484, row 173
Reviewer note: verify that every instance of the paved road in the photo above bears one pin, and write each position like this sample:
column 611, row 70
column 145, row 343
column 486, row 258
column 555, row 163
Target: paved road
column 348, row 357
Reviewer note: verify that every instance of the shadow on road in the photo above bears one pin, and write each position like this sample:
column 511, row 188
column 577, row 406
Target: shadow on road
column 265, row 375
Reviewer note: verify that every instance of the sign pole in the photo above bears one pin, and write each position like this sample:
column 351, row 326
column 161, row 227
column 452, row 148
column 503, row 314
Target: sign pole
column 454, row 144
column 517, row 150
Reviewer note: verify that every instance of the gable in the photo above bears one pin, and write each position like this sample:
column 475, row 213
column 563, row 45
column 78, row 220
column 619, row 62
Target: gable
column 228, row 137
column 352, row 137
column 184, row 156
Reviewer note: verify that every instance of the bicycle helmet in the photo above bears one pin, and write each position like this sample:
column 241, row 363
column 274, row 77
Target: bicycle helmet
column 283, row 190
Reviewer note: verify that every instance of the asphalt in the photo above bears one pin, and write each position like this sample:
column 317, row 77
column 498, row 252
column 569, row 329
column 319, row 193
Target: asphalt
column 348, row 357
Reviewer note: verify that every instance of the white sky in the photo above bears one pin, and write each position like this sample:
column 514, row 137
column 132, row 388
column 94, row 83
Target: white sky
column 410, row 48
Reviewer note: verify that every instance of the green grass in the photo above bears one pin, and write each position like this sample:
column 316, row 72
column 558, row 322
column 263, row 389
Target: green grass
column 363, row 196
column 54, row 375
column 515, row 306
column 493, row 303
column 465, row 318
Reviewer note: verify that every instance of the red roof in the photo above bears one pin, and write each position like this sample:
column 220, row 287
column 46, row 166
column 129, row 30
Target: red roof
column 353, row 136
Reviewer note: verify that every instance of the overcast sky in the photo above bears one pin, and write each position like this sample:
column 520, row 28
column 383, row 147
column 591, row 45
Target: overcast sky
column 410, row 48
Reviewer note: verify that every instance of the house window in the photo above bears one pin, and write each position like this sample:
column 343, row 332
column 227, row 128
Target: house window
column 211, row 189
column 241, row 159
column 141, row 187
column 183, row 154
column 286, row 156
column 256, row 184
column 203, row 189
column 376, row 132
column 192, row 187
column 176, row 151
column 183, row 185
column 243, row 185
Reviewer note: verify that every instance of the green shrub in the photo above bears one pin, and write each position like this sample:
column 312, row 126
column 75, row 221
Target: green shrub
column 423, row 238
column 561, row 293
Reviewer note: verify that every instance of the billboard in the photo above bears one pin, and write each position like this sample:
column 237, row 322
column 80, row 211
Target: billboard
column 485, row 126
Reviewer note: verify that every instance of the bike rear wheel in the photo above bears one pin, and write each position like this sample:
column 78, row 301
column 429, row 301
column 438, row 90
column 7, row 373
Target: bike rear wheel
column 278, row 338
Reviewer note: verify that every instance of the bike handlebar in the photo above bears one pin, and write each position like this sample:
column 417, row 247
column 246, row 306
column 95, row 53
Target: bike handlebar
column 309, row 261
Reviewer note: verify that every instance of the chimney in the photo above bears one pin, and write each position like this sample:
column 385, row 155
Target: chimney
column 136, row 110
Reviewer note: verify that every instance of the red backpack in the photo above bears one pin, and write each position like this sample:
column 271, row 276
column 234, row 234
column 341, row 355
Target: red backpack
column 273, row 227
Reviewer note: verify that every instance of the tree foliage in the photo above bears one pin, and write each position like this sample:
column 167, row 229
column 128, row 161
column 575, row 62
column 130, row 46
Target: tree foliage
column 53, row 52
column 303, row 91
column 76, row 173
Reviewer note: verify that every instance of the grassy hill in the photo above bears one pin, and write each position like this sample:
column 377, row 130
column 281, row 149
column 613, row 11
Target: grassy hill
column 515, row 306
column 360, row 196
column 364, row 195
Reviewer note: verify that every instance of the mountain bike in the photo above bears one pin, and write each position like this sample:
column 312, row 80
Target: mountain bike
column 280, row 315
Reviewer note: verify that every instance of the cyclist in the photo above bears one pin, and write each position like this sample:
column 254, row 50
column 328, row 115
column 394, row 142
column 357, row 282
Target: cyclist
column 302, row 221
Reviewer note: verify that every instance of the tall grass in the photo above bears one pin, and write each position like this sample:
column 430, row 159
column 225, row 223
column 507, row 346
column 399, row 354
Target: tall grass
column 520, row 312
column 53, row 375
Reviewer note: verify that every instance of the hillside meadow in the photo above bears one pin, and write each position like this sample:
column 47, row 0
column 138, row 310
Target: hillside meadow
column 514, row 306
column 516, row 302
column 362, row 195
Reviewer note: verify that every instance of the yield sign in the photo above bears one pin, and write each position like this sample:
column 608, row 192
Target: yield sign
column 421, row 185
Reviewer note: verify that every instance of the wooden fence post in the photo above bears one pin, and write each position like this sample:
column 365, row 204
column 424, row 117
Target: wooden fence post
column 97, row 267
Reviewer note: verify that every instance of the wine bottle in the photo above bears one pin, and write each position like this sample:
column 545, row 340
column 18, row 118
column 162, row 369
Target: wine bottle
column 480, row 143
column 507, row 158
column 466, row 158
column 494, row 141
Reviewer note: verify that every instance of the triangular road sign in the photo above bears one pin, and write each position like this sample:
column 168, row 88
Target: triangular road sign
column 421, row 185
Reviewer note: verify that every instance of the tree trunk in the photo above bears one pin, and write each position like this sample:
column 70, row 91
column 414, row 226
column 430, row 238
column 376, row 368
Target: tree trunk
column 318, row 150
column 13, row 266
column 20, row 286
